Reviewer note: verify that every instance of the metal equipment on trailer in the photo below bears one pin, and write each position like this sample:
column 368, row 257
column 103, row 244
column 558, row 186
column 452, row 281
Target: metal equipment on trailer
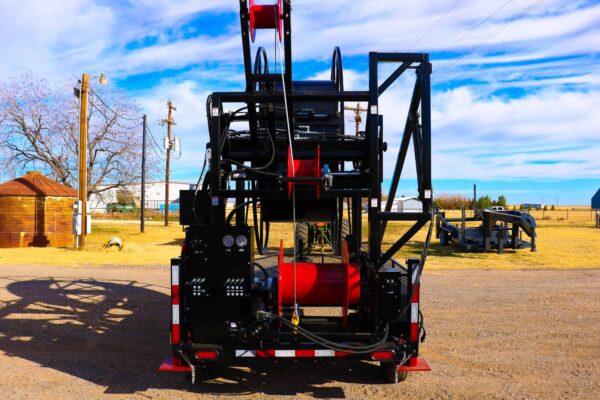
column 596, row 206
column 293, row 162
column 498, row 229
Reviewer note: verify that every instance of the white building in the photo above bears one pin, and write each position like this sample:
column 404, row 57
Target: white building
column 407, row 204
column 155, row 196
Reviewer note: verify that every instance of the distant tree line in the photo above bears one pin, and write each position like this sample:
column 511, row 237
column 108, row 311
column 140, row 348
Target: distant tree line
column 486, row 202
column 456, row 202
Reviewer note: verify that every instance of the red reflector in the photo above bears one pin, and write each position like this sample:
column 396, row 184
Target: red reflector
column 207, row 355
column 383, row 355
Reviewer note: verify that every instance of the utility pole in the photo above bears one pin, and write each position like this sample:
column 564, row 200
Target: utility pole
column 357, row 115
column 85, row 79
column 143, row 209
column 169, row 121
column 82, row 94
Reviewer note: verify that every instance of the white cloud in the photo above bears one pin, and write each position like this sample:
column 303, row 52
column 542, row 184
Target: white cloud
column 534, row 55
column 50, row 37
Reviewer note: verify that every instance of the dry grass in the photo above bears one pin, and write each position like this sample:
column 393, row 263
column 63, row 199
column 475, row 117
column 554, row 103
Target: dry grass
column 562, row 243
column 156, row 246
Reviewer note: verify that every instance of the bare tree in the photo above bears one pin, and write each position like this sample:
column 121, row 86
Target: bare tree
column 39, row 128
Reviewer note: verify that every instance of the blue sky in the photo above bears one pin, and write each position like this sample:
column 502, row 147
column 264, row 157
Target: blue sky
column 516, row 84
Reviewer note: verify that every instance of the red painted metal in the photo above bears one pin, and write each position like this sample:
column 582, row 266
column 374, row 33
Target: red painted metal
column 415, row 364
column 173, row 365
column 265, row 353
column 304, row 168
column 319, row 284
column 414, row 317
column 305, row 353
column 266, row 17
column 383, row 355
column 175, row 329
column 207, row 355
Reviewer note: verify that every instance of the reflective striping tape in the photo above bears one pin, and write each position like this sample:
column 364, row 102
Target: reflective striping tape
column 175, row 314
column 285, row 353
column 341, row 354
column 414, row 313
column 175, row 275
column 324, row 353
column 414, row 275
column 415, row 294
column 245, row 353
column 414, row 332
column 175, row 334
column 305, row 353
column 265, row 353
column 174, row 294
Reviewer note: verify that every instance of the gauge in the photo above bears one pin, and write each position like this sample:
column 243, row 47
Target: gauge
column 241, row 241
column 228, row 241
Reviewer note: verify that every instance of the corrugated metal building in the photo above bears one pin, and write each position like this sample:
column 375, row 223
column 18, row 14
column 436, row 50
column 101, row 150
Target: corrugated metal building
column 36, row 211
column 407, row 204
column 155, row 196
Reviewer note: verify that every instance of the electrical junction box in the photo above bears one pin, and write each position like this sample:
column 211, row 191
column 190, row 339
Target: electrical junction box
column 77, row 224
column 88, row 224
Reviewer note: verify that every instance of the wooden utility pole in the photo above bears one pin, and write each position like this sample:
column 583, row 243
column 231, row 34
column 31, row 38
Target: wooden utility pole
column 357, row 115
column 169, row 121
column 83, row 128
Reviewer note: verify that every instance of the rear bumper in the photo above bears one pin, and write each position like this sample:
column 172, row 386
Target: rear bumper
column 176, row 364
column 415, row 364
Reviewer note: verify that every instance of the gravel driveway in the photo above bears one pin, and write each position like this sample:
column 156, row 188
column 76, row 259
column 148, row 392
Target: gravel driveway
column 101, row 332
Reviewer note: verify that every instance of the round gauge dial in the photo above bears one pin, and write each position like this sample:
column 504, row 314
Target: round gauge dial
column 228, row 240
column 241, row 241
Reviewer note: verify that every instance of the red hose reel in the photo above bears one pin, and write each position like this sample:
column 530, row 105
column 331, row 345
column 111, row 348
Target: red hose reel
column 263, row 16
column 319, row 284
column 306, row 169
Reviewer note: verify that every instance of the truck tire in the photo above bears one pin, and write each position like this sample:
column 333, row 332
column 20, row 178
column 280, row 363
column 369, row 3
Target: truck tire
column 344, row 231
column 303, row 238
column 391, row 373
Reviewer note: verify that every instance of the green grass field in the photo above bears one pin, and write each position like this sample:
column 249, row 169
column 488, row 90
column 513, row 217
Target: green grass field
column 562, row 243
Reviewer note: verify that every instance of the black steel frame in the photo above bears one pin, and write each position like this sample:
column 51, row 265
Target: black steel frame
column 417, row 130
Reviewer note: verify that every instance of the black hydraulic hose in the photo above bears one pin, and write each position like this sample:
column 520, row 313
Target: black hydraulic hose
column 226, row 130
column 259, row 170
column 264, row 271
column 232, row 212
column 346, row 348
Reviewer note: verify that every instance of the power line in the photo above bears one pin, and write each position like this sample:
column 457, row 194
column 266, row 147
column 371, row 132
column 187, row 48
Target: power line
column 432, row 27
column 113, row 111
column 154, row 145
column 108, row 118
column 487, row 37
column 493, row 34
column 483, row 21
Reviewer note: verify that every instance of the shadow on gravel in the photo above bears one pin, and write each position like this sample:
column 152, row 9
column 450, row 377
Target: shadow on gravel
column 115, row 334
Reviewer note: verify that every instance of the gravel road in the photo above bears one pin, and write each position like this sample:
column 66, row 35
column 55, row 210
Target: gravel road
column 101, row 332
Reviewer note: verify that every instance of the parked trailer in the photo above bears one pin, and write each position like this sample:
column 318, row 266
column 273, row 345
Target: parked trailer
column 498, row 229
column 293, row 162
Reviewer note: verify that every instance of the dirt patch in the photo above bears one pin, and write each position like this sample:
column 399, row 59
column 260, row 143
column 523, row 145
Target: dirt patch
column 101, row 332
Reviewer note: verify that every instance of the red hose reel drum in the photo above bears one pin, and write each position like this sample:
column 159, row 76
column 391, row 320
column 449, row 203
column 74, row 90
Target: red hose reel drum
column 319, row 284
column 264, row 16
column 304, row 168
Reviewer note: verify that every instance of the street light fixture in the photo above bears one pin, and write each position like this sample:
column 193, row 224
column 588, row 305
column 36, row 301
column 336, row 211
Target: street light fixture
column 103, row 80
column 83, row 130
